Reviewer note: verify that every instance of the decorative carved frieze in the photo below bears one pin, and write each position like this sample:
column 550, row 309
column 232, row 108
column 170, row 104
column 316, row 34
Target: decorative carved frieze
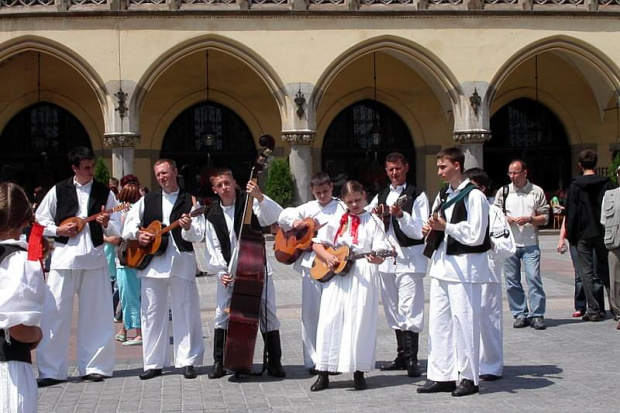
column 116, row 139
column 471, row 137
column 301, row 137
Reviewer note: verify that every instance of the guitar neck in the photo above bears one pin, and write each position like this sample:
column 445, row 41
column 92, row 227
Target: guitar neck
column 94, row 217
column 176, row 223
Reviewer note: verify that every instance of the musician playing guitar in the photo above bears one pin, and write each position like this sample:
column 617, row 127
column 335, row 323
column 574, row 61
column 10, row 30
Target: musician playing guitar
column 348, row 315
column 171, row 273
column 224, row 221
column 402, row 288
column 78, row 266
column 321, row 209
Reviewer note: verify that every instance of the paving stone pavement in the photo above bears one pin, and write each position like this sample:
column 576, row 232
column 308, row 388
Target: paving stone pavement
column 572, row 366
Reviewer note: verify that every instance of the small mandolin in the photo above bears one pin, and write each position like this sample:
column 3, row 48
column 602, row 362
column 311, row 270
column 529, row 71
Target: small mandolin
column 321, row 272
column 138, row 256
column 289, row 245
column 81, row 222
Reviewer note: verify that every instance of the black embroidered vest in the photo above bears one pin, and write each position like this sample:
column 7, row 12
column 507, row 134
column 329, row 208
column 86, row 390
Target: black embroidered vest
column 153, row 212
column 67, row 206
column 459, row 213
column 412, row 193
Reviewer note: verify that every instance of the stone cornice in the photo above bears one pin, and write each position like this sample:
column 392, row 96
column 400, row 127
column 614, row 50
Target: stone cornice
column 299, row 137
column 471, row 136
column 121, row 139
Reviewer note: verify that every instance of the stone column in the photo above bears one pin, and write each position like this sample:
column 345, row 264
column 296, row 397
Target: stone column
column 300, row 161
column 471, row 143
column 123, row 147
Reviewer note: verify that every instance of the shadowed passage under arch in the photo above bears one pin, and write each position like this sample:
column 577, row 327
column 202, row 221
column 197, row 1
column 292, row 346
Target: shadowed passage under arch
column 349, row 151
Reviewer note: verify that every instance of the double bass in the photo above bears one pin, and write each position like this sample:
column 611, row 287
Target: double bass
column 251, row 263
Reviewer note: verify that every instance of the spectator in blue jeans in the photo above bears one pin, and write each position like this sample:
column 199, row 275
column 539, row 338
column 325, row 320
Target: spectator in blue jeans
column 526, row 209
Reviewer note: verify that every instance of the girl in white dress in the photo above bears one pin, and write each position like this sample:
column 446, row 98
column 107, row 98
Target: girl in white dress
column 347, row 328
column 23, row 291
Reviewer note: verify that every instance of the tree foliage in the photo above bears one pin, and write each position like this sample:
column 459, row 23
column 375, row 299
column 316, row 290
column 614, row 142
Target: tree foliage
column 102, row 173
column 611, row 171
column 280, row 185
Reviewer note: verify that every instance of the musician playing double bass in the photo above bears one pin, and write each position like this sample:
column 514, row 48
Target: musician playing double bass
column 171, row 273
column 324, row 207
column 402, row 289
column 224, row 221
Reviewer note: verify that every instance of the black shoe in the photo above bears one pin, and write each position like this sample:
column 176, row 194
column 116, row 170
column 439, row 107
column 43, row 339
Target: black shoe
column 397, row 364
column 48, row 382
column 591, row 317
column 465, row 388
column 412, row 368
column 438, row 387
column 538, row 323
column 313, row 371
column 189, row 372
column 489, row 377
column 150, row 374
column 359, row 382
column 321, row 383
column 96, row 377
column 521, row 322
column 218, row 370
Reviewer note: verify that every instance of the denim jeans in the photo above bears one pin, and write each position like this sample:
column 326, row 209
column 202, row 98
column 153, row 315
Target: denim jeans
column 530, row 256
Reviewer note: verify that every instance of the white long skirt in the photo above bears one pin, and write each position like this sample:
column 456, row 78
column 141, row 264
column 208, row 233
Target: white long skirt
column 347, row 329
column 18, row 388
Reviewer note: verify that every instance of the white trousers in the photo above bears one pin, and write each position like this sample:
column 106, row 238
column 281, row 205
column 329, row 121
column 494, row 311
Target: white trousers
column 95, row 335
column 403, row 301
column 186, row 324
column 268, row 318
column 454, row 331
column 491, row 330
column 311, row 291
column 18, row 388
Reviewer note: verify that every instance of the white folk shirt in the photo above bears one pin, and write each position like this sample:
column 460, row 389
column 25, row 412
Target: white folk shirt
column 267, row 213
column 526, row 201
column 464, row 268
column 78, row 253
column 172, row 262
column 409, row 259
column 314, row 210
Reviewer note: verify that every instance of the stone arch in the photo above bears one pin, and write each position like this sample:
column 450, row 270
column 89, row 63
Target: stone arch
column 437, row 74
column 214, row 42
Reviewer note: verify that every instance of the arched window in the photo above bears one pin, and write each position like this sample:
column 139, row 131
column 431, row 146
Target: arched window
column 35, row 144
column 186, row 142
column 349, row 151
column 528, row 130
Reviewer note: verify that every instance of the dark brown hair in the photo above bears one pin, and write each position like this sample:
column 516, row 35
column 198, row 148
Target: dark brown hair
column 352, row 186
column 15, row 209
column 454, row 155
column 394, row 157
column 320, row 178
column 130, row 193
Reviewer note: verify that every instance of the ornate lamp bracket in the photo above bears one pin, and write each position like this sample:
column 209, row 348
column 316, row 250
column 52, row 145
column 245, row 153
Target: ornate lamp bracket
column 475, row 100
column 122, row 107
column 300, row 101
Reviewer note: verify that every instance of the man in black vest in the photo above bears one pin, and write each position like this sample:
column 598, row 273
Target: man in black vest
column 172, row 273
column 459, row 266
column 224, row 222
column 406, row 209
column 78, row 266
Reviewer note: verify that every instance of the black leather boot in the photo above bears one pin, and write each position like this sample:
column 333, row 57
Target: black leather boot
column 410, row 352
column 399, row 362
column 322, row 382
column 219, row 338
column 273, row 354
column 359, row 382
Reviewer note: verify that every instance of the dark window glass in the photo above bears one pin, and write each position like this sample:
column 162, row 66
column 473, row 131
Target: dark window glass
column 528, row 130
column 35, row 144
column 232, row 145
column 349, row 152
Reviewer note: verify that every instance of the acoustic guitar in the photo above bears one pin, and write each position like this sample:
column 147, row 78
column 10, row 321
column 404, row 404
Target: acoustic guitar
column 383, row 210
column 138, row 256
column 289, row 245
column 321, row 272
column 81, row 222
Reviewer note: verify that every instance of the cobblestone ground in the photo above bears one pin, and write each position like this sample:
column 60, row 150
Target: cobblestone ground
column 572, row 366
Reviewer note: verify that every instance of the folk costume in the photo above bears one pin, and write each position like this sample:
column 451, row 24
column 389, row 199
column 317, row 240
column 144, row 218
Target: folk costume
column 23, row 292
column 459, row 267
column 171, row 274
column 78, row 266
column 347, row 329
column 223, row 226
column 311, row 289
column 402, row 279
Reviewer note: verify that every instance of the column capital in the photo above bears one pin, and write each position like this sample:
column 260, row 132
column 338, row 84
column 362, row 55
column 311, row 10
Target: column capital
column 299, row 137
column 471, row 136
column 121, row 139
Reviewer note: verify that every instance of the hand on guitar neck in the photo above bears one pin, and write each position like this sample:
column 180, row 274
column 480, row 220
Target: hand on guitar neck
column 383, row 210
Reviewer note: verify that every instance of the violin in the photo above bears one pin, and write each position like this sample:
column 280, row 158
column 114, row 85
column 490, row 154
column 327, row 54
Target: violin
column 289, row 245
column 251, row 264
